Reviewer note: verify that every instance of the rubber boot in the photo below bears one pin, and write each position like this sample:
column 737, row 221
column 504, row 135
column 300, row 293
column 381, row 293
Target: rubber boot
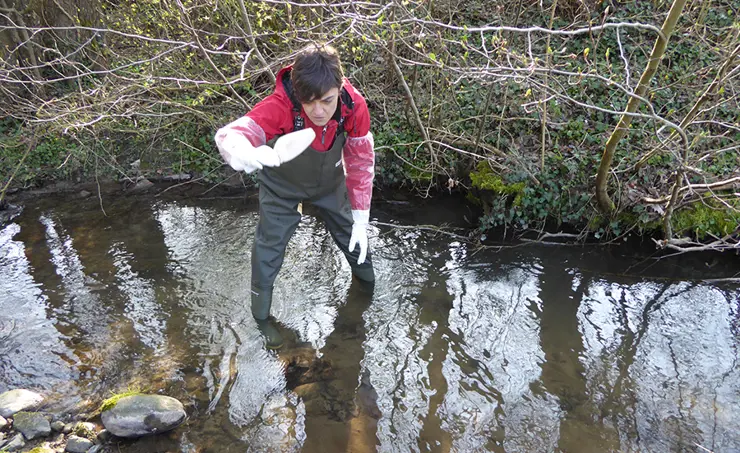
column 364, row 273
column 268, row 329
column 267, row 325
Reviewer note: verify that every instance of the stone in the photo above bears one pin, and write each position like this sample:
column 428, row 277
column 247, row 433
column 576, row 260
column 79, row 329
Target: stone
column 76, row 444
column 142, row 415
column 31, row 425
column 104, row 436
column 18, row 400
column 15, row 444
column 308, row 391
column 85, row 429
column 68, row 428
column 178, row 177
column 58, row 426
column 3, row 423
column 141, row 185
column 44, row 448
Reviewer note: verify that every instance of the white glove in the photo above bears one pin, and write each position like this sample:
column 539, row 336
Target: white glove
column 289, row 146
column 239, row 153
column 359, row 233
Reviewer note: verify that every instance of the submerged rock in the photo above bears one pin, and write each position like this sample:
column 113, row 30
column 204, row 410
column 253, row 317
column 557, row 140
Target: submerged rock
column 76, row 444
column 15, row 444
column 142, row 185
column 68, row 428
column 57, row 426
column 8, row 212
column 45, row 448
column 302, row 366
column 18, row 400
column 31, row 425
column 141, row 415
column 85, row 429
column 104, row 436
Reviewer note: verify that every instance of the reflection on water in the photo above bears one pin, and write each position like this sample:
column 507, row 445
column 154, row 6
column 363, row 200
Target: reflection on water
column 453, row 350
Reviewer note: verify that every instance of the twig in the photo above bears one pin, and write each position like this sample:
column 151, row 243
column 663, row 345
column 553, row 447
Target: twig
column 31, row 145
column 705, row 449
column 548, row 52
column 711, row 91
column 208, row 57
column 250, row 33
column 412, row 104
column 431, row 228
column 731, row 183
column 97, row 183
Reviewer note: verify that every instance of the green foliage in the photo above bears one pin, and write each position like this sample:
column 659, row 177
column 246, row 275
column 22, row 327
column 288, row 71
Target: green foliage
column 487, row 89
column 194, row 151
column 520, row 203
column 53, row 158
column 397, row 144
column 49, row 155
column 722, row 163
column 485, row 179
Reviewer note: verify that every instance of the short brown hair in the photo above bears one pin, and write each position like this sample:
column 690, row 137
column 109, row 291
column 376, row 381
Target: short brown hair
column 316, row 70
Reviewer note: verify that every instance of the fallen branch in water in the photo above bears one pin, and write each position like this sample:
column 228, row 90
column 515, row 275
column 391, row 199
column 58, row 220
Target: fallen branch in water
column 432, row 228
column 702, row 448
column 684, row 245
column 722, row 280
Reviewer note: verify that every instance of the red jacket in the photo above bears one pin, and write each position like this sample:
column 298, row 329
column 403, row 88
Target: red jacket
column 274, row 115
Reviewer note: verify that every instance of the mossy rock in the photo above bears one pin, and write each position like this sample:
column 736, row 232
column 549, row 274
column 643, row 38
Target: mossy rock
column 84, row 430
column 111, row 402
column 485, row 179
column 707, row 217
column 39, row 449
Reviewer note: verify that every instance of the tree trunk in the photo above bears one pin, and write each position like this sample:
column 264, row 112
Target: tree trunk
column 602, row 197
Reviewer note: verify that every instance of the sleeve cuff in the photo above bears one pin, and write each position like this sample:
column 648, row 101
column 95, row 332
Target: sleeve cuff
column 361, row 216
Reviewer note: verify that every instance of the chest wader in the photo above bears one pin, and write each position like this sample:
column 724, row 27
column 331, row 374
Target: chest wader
column 315, row 177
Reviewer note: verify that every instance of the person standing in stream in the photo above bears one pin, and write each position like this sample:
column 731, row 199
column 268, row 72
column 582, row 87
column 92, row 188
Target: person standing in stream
column 335, row 173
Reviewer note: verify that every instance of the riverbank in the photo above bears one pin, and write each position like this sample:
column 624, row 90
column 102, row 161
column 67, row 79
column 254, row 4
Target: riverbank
column 449, row 214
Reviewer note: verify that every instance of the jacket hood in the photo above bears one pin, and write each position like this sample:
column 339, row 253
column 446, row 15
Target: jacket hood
column 280, row 88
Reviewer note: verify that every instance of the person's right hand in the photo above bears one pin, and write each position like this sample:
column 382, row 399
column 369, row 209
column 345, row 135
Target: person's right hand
column 239, row 153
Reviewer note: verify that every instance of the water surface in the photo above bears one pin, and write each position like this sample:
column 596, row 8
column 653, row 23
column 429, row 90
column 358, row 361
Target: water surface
column 457, row 349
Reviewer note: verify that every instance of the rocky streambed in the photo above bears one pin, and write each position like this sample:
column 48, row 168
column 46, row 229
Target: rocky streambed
column 26, row 427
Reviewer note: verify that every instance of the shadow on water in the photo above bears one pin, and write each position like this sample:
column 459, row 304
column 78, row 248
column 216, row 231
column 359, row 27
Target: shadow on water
column 581, row 349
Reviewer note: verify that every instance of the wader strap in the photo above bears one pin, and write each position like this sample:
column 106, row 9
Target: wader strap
column 298, row 122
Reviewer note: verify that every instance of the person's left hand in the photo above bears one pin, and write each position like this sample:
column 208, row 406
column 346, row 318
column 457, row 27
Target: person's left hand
column 359, row 233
